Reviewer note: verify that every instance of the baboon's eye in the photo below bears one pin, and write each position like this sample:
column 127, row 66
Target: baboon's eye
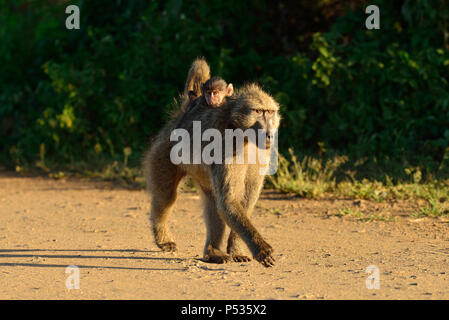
column 270, row 111
column 259, row 110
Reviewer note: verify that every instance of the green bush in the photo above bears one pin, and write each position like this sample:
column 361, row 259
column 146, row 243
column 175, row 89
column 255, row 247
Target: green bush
column 84, row 95
column 382, row 94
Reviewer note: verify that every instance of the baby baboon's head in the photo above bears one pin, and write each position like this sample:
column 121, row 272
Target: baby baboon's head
column 254, row 108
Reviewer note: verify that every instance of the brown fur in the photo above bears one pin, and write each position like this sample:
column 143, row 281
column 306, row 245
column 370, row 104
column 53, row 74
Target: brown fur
column 229, row 191
column 199, row 73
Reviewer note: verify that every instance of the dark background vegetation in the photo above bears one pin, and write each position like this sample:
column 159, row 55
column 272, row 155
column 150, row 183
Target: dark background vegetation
column 98, row 94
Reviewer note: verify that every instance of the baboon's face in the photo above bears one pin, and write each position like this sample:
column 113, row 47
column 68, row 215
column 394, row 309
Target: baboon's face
column 268, row 121
column 255, row 109
column 215, row 97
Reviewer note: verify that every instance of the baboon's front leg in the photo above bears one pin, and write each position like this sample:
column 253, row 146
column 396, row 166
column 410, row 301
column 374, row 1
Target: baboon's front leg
column 235, row 217
column 253, row 185
column 229, row 204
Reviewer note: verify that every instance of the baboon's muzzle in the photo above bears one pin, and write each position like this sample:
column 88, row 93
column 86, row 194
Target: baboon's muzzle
column 269, row 138
column 268, row 142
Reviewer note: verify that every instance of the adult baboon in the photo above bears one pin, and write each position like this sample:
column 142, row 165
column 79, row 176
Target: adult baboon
column 229, row 191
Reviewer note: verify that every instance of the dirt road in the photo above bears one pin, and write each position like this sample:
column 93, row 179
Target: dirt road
column 47, row 225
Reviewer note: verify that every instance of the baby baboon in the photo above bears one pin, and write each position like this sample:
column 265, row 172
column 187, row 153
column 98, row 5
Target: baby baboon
column 229, row 191
column 214, row 92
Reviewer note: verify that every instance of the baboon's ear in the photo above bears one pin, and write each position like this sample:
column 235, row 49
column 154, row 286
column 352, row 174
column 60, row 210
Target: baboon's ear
column 230, row 90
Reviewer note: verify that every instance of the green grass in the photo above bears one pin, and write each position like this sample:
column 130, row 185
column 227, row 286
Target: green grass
column 308, row 177
column 118, row 171
column 434, row 209
column 317, row 178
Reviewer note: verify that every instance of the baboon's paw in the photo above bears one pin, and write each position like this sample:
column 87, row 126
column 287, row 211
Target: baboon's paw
column 265, row 257
column 217, row 256
column 220, row 259
column 268, row 261
column 168, row 246
column 240, row 258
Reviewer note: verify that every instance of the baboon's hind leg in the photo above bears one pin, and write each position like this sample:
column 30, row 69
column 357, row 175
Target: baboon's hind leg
column 216, row 228
column 163, row 179
column 235, row 248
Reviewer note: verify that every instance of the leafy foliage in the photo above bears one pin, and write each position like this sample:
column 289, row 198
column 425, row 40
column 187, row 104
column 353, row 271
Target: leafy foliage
column 377, row 96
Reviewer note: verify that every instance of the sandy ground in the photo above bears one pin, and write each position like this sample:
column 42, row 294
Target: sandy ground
column 47, row 225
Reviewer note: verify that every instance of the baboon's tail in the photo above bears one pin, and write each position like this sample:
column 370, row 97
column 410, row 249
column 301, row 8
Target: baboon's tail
column 198, row 74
